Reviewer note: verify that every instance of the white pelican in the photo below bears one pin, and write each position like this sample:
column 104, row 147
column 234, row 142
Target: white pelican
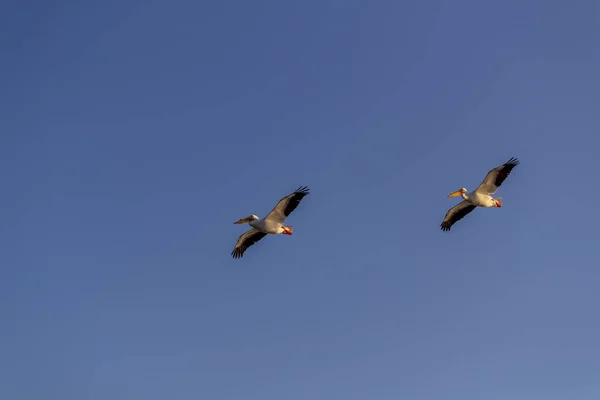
column 481, row 197
column 273, row 223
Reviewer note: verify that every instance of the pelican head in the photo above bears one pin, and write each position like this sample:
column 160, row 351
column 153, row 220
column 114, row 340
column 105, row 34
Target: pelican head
column 247, row 219
column 458, row 192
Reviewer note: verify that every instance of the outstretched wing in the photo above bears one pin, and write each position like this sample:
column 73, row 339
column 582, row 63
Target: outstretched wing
column 287, row 205
column 456, row 213
column 496, row 176
column 246, row 240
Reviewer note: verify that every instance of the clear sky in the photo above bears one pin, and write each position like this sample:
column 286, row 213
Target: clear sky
column 134, row 133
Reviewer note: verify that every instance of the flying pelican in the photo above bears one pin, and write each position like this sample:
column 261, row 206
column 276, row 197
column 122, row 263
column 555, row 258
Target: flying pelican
column 273, row 223
column 481, row 197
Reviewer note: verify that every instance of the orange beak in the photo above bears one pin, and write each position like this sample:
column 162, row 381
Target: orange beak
column 243, row 220
column 455, row 194
column 287, row 230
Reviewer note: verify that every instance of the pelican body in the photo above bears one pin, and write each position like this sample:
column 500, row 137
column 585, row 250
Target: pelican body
column 265, row 225
column 480, row 197
column 477, row 198
column 272, row 224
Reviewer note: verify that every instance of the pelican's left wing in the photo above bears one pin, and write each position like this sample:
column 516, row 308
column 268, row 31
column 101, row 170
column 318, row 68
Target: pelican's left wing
column 496, row 176
column 246, row 240
column 287, row 205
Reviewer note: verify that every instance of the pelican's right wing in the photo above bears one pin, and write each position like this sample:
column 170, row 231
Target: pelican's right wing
column 246, row 240
column 456, row 213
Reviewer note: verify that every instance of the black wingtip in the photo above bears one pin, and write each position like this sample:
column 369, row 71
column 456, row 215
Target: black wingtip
column 236, row 254
column 512, row 161
column 302, row 190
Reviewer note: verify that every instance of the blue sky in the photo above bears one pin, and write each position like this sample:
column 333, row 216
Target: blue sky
column 134, row 133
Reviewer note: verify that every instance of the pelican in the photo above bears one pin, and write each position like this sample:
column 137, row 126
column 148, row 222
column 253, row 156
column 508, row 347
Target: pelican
column 272, row 224
column 480, row 197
